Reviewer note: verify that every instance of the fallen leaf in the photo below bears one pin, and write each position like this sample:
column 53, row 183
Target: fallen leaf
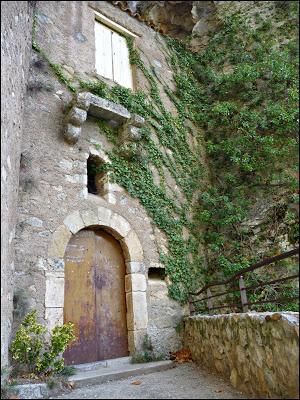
column 69, row 384
column 181, row 356
column 219, row 391
column 136, row 382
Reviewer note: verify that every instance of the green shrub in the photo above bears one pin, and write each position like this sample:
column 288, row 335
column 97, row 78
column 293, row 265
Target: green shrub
column 31, row 351
column 146, row 354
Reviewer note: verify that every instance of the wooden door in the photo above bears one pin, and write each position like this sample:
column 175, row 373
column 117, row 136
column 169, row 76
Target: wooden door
column 95, row 297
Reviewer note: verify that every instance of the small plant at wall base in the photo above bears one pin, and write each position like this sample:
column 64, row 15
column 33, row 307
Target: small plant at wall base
column 146, row 354
column 33, row 354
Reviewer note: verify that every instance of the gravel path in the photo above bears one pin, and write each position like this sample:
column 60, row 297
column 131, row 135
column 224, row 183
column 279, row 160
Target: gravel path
column 185, row 381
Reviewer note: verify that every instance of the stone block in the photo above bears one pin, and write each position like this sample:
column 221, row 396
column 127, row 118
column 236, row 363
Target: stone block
column 104, row 215
column 83, row 100
column 54, row 316
column 132, row 248
column 76, row 116
column 83, row 194
column 164, row 340
column 135, row 340
column 137, row 120
column 100, row 153
column 114, row 187
column 110, row 198
column 60, row 239
column 33, row 221
column 54, row 296
column 135, row 283
column 131, row 133
column 72, row 133
column 76, row 178
column 74, row 222
column 134, row 267
column 137, row 313
column 66, row 165
column 105, row 109
column 57, row 264
column 120, row 225
column 32, row 391
column 89, row 218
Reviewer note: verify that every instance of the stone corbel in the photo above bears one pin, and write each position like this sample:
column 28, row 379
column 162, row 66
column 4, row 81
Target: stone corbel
column 130, row 135
column 76, row 117
column 87, row 103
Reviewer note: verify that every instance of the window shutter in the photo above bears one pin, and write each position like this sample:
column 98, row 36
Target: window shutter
column 103, row 50
column 121, row 65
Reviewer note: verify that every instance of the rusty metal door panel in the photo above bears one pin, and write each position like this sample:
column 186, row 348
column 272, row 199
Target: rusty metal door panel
column 95, row 297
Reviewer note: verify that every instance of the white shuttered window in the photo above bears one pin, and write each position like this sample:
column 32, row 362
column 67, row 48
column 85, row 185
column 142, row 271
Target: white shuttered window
column 112, row 56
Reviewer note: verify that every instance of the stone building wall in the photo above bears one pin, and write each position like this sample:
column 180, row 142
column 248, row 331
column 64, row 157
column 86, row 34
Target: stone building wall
column 53, row 196
column 16, row 22
column 258, row 352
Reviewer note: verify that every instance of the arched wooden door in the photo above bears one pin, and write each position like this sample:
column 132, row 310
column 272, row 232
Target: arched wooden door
column 95, row 297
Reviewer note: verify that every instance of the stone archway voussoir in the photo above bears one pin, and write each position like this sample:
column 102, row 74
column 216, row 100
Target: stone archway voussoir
column 89, row 218
column 132, row 248
column 59, row 242
column 74, row 222
column 120, row 225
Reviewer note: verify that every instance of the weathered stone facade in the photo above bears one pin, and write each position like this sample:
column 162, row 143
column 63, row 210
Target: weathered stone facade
column 60, row 133
column 54, row 202
column 258, row 352
column 16, row 23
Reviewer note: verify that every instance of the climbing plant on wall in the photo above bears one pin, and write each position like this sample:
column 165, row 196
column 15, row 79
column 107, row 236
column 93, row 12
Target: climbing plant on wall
column 238, row 98
column 243, row 91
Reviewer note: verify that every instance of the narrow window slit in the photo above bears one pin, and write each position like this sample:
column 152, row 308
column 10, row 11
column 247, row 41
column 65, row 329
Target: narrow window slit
column 97, row 176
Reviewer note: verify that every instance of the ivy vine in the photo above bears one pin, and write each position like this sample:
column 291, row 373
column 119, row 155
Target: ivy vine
column 249, row 115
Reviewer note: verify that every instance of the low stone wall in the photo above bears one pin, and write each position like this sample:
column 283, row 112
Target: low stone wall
column 258, row 352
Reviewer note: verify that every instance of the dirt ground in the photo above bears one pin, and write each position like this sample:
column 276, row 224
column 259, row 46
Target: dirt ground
column 185, row 381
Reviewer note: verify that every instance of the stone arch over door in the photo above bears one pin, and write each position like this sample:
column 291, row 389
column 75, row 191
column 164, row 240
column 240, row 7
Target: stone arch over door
column 135, row 279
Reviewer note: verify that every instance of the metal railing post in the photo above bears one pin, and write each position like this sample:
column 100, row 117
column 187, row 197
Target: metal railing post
column 243, row 294
column 209, row 302
column 191, row 306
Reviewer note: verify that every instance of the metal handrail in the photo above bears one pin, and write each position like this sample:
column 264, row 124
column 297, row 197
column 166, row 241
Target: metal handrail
column 243, row 290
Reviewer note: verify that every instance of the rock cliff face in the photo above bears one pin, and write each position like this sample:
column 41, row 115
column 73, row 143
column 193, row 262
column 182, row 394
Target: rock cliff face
column 178, row 19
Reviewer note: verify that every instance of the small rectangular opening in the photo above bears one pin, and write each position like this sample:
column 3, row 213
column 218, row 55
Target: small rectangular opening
column 156, row 273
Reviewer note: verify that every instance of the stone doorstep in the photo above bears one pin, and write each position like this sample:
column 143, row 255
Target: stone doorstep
column 97, row 373
column 103, row 364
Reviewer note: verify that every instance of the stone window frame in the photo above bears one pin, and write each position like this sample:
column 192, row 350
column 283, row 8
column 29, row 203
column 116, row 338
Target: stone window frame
column 135, row 278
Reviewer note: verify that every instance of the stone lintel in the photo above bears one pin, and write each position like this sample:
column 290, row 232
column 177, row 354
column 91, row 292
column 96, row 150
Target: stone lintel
column 105, row 109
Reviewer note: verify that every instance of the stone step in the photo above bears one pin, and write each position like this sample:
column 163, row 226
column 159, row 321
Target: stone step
column 110, row 370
